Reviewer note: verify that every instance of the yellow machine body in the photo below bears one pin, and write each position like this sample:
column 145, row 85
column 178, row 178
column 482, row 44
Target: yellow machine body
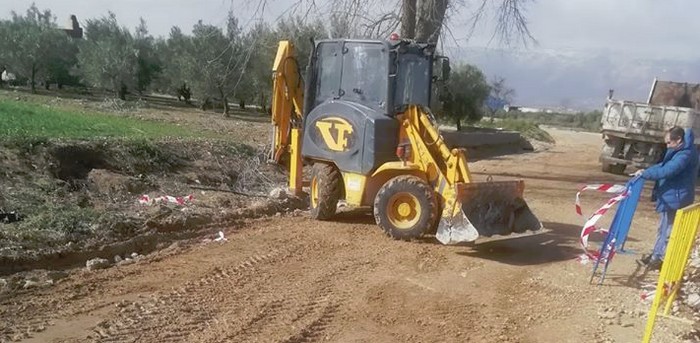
column 427, row 188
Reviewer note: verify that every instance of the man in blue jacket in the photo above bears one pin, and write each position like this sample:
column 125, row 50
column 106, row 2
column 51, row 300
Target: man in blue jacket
column 674, row 188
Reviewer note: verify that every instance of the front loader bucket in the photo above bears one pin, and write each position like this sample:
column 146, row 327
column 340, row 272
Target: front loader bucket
column 485, row 209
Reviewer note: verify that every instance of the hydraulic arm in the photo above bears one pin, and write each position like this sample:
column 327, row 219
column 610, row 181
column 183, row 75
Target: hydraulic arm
column 287, row 104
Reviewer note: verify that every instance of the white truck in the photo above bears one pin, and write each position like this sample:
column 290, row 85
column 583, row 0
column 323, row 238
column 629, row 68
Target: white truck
column 633, row 132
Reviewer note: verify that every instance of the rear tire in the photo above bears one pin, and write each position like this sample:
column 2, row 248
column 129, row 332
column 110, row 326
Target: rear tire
column 618, row 169
column 325, row 191
column 613, row 147
column 405, row 207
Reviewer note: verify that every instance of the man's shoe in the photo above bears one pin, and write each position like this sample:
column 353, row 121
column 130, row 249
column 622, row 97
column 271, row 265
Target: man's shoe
column 644, row 260
column 655, row 264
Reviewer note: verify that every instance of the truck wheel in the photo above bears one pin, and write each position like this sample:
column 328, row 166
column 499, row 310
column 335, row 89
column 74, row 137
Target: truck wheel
column 325, row 191
column 613, row 168
column 618, row 169
column 405, row 207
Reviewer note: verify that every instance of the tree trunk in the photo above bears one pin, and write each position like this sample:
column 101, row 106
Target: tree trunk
column 122, row 92
column 224, row 102
column 33, row 80
column 263, row 102
column 459, row 125
column 408, row 19
column 204, row 104
column 241, row 104
column 431, row 13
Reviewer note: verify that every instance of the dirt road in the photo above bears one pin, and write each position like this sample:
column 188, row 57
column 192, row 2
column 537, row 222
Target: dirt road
column 290, row 279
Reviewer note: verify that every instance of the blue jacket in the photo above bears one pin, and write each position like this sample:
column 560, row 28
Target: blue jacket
column 675, row 176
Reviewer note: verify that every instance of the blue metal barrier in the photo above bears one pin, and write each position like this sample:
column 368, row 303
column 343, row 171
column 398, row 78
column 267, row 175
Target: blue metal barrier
column 619, row 228
column 625, row 212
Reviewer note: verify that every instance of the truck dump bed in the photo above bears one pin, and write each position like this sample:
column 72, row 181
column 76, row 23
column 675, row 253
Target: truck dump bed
column 646, row 122
column 669, row 93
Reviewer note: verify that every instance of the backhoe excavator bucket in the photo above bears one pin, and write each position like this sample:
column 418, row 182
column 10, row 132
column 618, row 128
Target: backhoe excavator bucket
column 485, row 209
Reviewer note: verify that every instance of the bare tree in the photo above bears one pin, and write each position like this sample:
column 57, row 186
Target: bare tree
column 511, row 23
column 423, row 20
column 500, row 95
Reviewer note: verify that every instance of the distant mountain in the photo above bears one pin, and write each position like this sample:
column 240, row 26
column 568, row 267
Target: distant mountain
column 576, row 79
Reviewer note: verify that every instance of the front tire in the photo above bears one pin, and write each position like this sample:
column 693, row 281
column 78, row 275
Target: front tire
column 405, row 207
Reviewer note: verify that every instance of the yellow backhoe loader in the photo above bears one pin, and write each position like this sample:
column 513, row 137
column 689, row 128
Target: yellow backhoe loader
column 361, row 119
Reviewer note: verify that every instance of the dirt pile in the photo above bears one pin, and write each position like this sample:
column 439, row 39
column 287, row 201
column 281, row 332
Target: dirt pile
column 79, row 199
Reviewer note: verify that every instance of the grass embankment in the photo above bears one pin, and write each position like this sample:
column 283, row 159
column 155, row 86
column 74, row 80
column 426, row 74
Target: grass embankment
column 31, row 120
column 46, row 153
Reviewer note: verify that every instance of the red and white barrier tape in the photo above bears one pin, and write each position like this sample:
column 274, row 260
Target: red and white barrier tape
column 649, row 290
column 146, row 200
column 605, row 187
column 589, row 227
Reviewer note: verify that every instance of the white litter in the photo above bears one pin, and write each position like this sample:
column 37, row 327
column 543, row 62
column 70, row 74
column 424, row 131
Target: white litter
column 221, row 237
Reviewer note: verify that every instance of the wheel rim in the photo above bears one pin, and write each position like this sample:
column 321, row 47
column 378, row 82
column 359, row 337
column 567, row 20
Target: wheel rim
column 314, row 192
column 403, row 211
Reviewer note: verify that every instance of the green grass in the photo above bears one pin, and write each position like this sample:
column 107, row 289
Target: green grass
column 526, row 128
column 22, row 120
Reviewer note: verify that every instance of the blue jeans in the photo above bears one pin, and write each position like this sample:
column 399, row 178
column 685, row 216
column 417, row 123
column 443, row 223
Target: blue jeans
column 665, row 227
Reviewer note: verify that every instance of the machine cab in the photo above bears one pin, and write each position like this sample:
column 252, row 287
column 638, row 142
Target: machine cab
column 382, row 75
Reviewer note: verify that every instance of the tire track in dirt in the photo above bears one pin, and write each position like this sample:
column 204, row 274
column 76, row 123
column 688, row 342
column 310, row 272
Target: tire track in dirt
column 282, row 295
column 25, row 317
column 72, row 308
column 298, row 310
column 174, row 316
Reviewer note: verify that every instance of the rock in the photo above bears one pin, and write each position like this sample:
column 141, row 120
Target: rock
column 56, row 275
column 694, row 301
column 695, row 258
column 3, row 284
column 125, row 262
column 20, row 336
column 134, row 255
column 607, row 315
column 279, row 193
column 117, row 258
column 29, row 284
column 122, row 304
column 97, row 263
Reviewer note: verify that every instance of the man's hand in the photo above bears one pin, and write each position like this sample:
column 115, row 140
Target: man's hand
column 638, row 172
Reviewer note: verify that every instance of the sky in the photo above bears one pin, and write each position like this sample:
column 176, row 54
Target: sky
column 644, row 28
column 582, row 45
